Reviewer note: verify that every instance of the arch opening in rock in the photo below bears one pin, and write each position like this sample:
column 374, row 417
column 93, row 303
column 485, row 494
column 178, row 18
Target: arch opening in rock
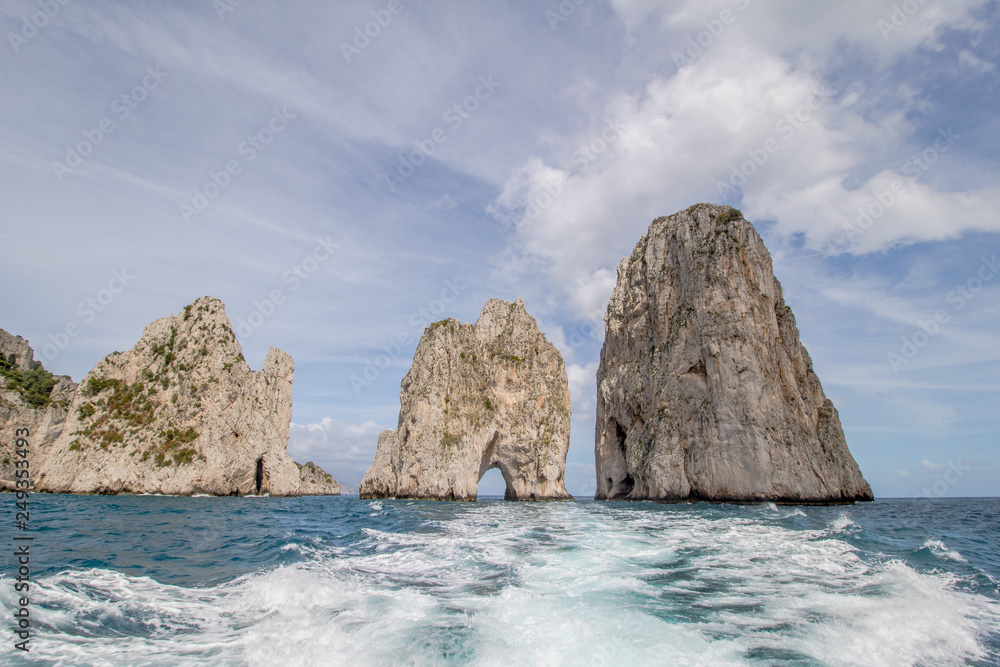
column 621, row 487
column 491, row 484
column 259, row 476
column 490, row 462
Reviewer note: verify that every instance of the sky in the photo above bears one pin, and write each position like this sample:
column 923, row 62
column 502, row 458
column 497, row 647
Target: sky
column 343, row 174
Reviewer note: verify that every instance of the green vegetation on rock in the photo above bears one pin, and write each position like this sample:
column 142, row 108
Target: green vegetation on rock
column 34, row 386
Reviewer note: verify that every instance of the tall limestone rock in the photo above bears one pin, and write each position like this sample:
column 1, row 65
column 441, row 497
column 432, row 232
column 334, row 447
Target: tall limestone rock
column 490, row 395
column 180, row 413
column 32, row 399
column 704, row 390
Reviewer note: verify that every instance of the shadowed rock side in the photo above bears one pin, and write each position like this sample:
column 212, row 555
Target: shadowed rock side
column 314, row 481
column 32, row 399
column 180, row 413
column 490, row 395
column 704, row 390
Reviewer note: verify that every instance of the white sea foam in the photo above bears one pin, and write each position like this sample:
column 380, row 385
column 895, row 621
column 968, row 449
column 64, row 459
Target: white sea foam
column 841, row 524
column 558, row 584
column 939, row 549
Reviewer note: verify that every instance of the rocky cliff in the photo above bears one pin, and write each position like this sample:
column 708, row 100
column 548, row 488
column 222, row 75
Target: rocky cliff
column 32, row 398
column 490, row 395
column 314, row 481
column 704, row 390
column 180, row 413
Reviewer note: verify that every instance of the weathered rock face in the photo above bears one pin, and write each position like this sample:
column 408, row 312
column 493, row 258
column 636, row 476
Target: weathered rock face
column 17, row 351
column 42, row 411
column 314, row 481
column 490, row 395
column 704, row 390
column 180, row 413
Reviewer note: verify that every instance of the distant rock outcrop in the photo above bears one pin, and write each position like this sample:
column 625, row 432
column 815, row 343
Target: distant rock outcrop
column 490, row 395
column 180, row 413
column 314, row 481
column 704, row 390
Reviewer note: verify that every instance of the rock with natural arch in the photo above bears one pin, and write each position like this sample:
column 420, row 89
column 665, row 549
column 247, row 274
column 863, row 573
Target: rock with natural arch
column 490, row 395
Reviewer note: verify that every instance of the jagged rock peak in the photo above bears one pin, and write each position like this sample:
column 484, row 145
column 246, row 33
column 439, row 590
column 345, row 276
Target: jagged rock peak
column 704, row 390
column 180, row 413
column 490, row 395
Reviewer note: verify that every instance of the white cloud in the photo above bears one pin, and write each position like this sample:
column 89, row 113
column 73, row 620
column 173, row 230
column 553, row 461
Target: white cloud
column 445, row 201
column 575, row 218
column 933, row 467
column 811, row 30
column 969, row 58
column 685, row 132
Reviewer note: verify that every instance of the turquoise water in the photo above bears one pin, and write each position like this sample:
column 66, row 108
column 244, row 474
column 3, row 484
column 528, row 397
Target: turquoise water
column 331, row 581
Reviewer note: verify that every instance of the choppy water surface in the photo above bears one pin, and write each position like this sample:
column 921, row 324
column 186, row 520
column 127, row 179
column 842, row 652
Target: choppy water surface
column 328, row 581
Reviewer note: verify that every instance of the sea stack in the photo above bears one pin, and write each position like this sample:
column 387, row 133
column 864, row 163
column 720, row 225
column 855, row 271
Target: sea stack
column 314, row 481
column 180, row 413
column 490, row 395
column 704, row 391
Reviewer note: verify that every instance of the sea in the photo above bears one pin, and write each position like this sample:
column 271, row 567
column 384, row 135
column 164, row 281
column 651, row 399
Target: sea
column 152, row 580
